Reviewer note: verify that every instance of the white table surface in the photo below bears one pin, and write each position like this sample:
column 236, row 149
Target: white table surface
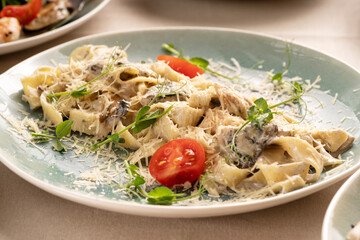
column 332, row 26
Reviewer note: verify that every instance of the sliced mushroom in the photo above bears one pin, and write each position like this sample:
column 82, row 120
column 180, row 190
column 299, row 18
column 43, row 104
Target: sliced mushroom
column 123, row 107
column 249, row 143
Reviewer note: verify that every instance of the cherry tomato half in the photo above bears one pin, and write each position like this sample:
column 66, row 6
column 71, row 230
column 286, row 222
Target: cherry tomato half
column 181, row 66
column 177, row 162
column 24, row 13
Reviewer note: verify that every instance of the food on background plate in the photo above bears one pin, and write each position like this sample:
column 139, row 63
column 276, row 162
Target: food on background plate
column 354, row 233
column 10, row 29
column 18, row 15
column 178, row 127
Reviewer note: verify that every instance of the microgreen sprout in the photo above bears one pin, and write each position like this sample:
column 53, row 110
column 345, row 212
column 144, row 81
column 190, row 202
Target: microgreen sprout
column 279, row 76
column 200, row 62
column 160, row 195
column 62, row 130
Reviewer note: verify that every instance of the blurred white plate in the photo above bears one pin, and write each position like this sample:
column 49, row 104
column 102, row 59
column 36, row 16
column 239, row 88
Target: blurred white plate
column 343, row 211
column 90, row 9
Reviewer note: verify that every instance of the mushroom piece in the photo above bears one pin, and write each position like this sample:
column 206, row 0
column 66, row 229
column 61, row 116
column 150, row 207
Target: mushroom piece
column 249, row 143
column 53, row 12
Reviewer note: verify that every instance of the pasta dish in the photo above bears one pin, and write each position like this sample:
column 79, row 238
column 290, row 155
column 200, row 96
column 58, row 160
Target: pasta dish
column 182, row 130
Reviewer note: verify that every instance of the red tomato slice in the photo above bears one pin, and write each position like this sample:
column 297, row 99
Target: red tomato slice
column 177, row 162
column 24, row 13
column 181, row 66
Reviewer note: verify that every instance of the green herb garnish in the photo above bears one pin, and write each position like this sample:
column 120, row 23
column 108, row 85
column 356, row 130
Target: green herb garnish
column 260, row 113
column 159, row 195
column 61, row 131
column 279, row 76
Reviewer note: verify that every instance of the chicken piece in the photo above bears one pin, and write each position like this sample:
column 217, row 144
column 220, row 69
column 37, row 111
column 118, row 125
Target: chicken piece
column 10, row 29
column 200, row 99
column 232, row 101
column 217, row 117
column 51, row 13
column 249, row 143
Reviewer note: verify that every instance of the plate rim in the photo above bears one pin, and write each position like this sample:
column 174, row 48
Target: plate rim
column 21, row 44
column 133, row 208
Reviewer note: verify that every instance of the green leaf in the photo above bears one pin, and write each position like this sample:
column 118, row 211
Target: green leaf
column 144, row 120
column 138, row 181
column 157, row 115
column 63, row 128
column 133, row 168
column 152, row 115
column 277, row 77
column 59, row 146
column 259, row 114
column 132, row 171
column 79, row 92
column 297, row 88
column 200, row 62
column 261, row 104
column 161, row 195
column 143, row 125
column 141, row 113
column 262, row 119
column 252, row 112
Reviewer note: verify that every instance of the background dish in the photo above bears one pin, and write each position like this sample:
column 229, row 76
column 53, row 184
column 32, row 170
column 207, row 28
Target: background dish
column 219, row 44
column 343, row 210
column 89, row 10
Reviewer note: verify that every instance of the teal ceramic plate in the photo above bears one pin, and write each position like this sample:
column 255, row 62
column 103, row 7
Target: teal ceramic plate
column 46, row 170
column 89, row 10
column 343, row 210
